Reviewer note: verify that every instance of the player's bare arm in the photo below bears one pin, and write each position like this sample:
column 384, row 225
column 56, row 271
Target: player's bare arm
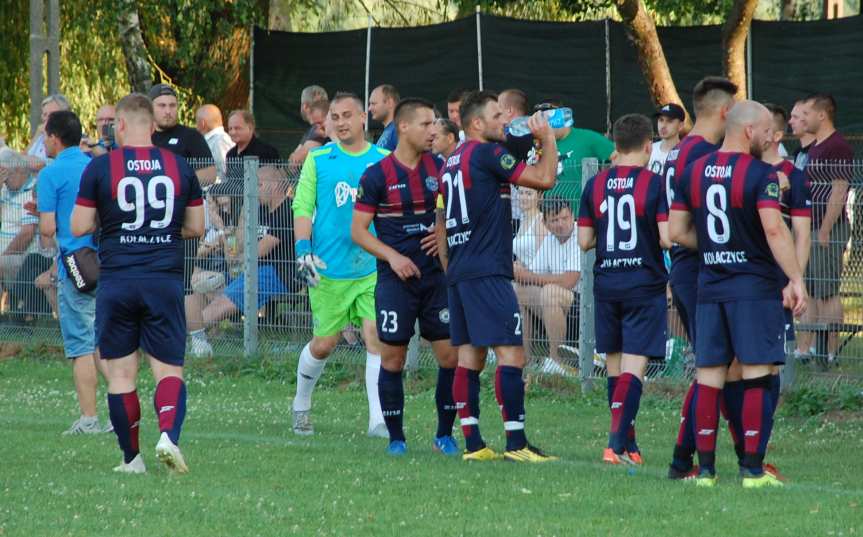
column 543, row 174
column 586, row 238
column 83, row 220
column 782, row 247
column 193, row 222
column 801, row 228
column 360, row 234
column 664, row 235
column 440, row 236
column 681, row 230
column 835, row 204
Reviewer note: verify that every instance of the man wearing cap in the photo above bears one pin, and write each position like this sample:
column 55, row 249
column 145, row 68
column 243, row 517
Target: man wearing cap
column 669, row 120
column 180, row 139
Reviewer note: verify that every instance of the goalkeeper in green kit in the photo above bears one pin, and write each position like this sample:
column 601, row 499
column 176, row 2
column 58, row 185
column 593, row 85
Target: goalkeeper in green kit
column 340, row 275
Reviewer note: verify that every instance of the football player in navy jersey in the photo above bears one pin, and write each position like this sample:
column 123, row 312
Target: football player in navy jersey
column 398, row 193
column 712, row 98
column 145, row 200
column 624, row 215
column 726, row 205
column 475, row 242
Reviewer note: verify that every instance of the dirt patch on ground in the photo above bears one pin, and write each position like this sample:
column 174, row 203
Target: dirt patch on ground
column 10, row 350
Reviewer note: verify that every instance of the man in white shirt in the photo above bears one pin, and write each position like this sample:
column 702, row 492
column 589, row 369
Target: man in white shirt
column 546, row 288
column 669, row 120
column 208, row 121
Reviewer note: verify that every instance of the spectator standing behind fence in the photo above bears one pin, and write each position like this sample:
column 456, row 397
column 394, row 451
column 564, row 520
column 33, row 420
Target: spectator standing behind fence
column 445, row 137
column 453, row 109
column 829, row 172
column 104, row 139
column 180, row 139
column 382, row 107
column 574, row 145
column 547, row 287
column 513, row 103
column 58, row 189
column 36, row 155
column 208, row 121
column 275, row 252
column 669, row 120
column 798, row 129
column 241, row 128
column 314, row 106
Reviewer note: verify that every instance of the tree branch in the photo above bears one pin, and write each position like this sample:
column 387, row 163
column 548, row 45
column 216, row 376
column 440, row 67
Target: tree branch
column 734, row 34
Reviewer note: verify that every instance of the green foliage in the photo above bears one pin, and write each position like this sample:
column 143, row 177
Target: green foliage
column 816, row 399
column 14, row 74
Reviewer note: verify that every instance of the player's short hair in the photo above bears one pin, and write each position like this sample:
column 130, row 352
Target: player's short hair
column 631, row 132
column 780, row 115
column 321, row 106
column 553, row 205
column 58, row 98
column 516, row 99
column 823, row 102
column 448, row 126
column 137, row 105
column 408, row 106
column 312, row 94
column 712, row 92
column 247, row 116
column 66, row 126
column 390, row 92
column 342, row 95
column 456, row 95
column 473, row 105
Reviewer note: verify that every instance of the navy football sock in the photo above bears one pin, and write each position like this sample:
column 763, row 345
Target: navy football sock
column 509, row 389
column 732, row 396
column 125, row 412
column 392, row 393
column 775, row 385
column 685, row 446
column 170, row 404
column 624, row 408
column 444, row 402
column 465, row 392
column 706, row 404
column 757, row 422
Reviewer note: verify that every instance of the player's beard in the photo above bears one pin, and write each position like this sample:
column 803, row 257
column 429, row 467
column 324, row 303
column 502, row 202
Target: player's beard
column 756, row 148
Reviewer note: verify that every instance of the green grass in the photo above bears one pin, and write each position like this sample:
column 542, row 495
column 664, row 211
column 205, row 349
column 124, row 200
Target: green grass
column 251, row 476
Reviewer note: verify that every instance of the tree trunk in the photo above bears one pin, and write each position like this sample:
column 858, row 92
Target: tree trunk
column 134, row 50
column 642, row 32
column 786, row 10
column 280, row 15
column 734, row 35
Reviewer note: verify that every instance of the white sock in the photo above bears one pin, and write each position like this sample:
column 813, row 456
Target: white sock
column 373, row 369
column 309, row 370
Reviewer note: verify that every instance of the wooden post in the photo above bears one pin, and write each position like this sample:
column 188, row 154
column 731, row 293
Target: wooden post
column 44, row 40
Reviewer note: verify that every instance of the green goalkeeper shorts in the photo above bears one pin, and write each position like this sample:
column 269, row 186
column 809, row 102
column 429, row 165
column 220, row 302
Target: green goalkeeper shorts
column 337, row 303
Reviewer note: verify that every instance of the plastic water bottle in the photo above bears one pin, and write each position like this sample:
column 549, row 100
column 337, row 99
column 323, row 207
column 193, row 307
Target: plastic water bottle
column 558, row 118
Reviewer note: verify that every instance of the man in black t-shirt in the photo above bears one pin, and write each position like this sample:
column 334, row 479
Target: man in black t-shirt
column 180, row 139
column 241, row 129
column 275, row 252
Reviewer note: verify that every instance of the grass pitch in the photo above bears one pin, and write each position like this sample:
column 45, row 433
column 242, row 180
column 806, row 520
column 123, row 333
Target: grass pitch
column 251, row 476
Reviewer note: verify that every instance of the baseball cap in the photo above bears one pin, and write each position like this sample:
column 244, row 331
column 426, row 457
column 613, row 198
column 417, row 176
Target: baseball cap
column 159, row 90
column 671, row 110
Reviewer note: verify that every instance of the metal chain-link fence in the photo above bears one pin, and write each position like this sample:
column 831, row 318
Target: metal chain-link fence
column 243, row 297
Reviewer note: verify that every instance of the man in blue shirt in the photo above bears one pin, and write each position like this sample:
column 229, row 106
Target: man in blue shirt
column 58, row 188
column 382, row 107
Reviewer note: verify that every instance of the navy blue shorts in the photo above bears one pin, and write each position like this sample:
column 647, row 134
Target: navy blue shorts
column 147, row 314
column 483, row 312
column 789, row 325
column 635, row 326
column 685, row 298
column 399, row 304
column 751, row 330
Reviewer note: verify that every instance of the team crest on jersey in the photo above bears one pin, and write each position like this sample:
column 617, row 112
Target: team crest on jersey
column 772, row 190
column 344, row 192
column 431, row 184
column 507, row 161
column 443, row 315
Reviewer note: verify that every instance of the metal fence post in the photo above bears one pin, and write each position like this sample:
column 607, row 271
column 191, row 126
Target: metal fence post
column 587, row 334
column 250, row 256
